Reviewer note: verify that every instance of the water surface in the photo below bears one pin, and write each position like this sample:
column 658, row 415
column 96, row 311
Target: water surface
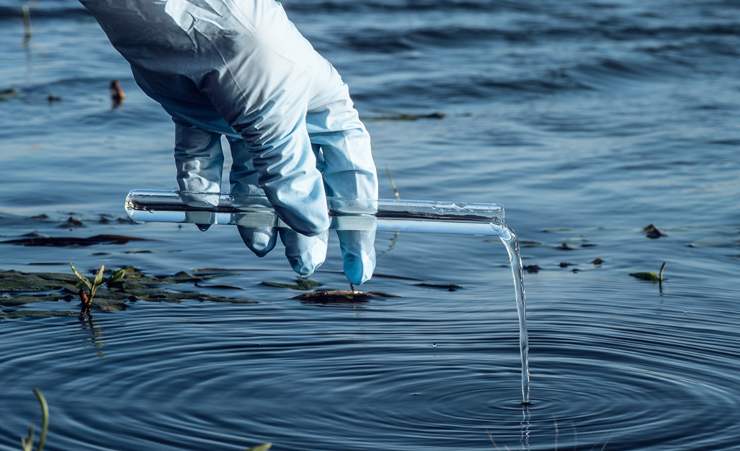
column 588, row 120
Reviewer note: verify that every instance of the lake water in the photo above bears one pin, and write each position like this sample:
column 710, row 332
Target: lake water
column 587, row 120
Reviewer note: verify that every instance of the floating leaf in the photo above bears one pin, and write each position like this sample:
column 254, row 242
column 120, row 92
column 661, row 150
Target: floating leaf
column 649, row 276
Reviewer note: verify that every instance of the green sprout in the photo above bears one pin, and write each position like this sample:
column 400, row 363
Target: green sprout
column 88, row 290
column 27, row 441
column 652, row 277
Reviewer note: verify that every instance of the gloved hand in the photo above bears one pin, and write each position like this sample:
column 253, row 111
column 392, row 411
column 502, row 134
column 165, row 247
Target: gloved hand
column 302, row 137
column 241, row 69
column 199, row 161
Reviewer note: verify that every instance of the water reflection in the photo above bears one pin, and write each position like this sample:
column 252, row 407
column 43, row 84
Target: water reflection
column 95, row 334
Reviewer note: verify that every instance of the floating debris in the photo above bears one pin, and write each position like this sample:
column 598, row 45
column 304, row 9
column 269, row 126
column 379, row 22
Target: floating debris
column 117, row 95
column 8, row 93
column 653, row 232
column 597, row 261
column 71, row 223
column 409, row 117
column 566, row 264
column 440, row 286
column 69, row 241
column 532, row 269
column 565, row 247
column 529, row 243
column 341, row 296
column 557, row 230
column 41, row 217
column 139, row 251
column 51, row 98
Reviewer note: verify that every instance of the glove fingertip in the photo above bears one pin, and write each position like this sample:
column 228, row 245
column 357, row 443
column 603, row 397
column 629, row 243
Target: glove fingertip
column 359, row 268
column 259, row 241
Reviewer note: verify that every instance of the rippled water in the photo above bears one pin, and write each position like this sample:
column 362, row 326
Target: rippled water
column 588, row 120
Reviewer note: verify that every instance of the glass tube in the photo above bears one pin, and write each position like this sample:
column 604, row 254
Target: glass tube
column 347, row 214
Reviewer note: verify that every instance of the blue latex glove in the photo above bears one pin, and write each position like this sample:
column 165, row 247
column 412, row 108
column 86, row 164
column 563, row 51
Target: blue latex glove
column 242, row 70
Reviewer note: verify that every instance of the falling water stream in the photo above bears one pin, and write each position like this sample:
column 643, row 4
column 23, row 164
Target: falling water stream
column 383, row 215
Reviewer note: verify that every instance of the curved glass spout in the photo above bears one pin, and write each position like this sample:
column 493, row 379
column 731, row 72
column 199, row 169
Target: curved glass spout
column 347, row 214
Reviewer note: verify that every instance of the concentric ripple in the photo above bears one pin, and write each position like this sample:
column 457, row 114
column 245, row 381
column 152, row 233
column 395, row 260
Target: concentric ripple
column 222, row 377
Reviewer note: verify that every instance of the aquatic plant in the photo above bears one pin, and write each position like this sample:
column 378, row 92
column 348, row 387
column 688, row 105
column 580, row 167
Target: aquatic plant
column 27, row 441
column 26, row 16
column 88, row 289
column 651, row 276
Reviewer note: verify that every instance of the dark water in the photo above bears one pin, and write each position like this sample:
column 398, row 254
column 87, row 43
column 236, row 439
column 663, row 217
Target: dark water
column 588, row 120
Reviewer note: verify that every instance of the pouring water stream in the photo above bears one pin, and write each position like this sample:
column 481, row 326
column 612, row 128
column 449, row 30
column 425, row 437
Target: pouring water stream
column 385, row 215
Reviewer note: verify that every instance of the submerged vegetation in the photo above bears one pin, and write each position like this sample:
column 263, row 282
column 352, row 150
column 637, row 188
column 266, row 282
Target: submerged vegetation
column 27, row 441
column 102, row 294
